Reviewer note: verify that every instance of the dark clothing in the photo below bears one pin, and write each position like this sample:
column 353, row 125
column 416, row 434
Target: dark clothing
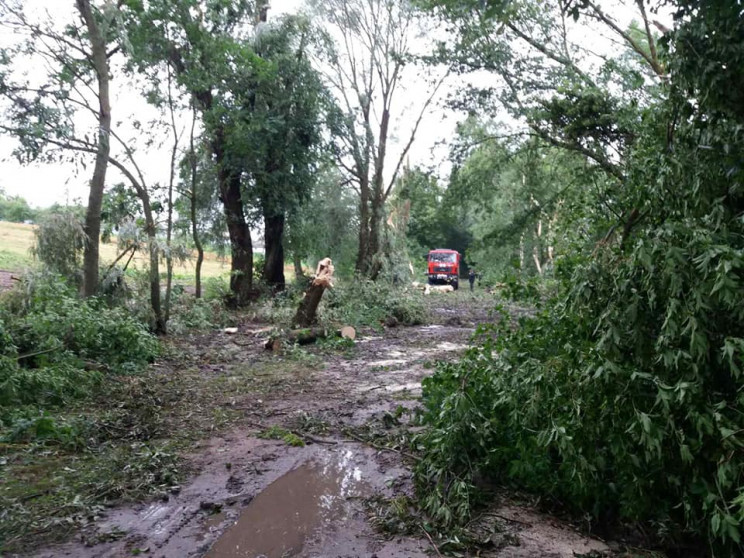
column 471, row 278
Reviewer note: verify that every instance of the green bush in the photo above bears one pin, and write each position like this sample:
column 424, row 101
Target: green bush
column 216, row 288
column 361, row 302
column 55, row 345
column 188, row 313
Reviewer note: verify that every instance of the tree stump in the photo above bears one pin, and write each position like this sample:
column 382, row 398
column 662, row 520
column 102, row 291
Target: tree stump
column 308, row 309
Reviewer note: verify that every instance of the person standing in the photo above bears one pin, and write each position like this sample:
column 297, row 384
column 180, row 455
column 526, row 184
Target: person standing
column 471, row 278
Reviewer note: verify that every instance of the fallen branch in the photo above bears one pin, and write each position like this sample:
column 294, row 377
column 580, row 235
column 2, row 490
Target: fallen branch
column 299, row 434
column 509, row 519
column 382, row 448
column 37, row 353
column 434, row 546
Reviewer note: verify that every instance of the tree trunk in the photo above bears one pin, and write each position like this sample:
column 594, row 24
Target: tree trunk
column 274, row 262
column 194, row 224
column 521, row 253
column 297, row 261
column 241, row 247
column 536, row 248
column 307, row 311
column 241, row 269
column 169, row 254
column 169, row 223
column 375, row 238
column 363, row 262
column 306, row 336
column 159, row 320
column 98, row 182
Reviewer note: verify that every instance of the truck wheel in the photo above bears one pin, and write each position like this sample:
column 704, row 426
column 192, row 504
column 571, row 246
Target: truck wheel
column 430, row 280
column 455, row 285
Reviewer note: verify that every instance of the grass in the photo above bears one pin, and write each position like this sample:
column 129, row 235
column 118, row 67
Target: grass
column 17, row 239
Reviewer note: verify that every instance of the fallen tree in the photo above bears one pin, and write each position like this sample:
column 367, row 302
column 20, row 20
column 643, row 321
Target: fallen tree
column 306, row 336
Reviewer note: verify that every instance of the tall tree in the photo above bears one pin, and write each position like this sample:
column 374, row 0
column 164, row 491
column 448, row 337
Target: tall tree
column 99, row 60
column 285, row 133
column 205, row 43
column 44, row 116
column 260, row 103
column 370, row 48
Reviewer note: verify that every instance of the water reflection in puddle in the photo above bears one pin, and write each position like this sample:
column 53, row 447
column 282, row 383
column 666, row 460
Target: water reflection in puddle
column 294, row 509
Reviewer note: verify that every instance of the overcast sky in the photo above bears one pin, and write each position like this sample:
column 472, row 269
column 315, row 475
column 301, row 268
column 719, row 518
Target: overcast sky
column 45, row 184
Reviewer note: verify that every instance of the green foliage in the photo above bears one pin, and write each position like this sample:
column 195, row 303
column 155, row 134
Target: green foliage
column 326, row 226
column 334, row 344
column 60, row 239
column 279, row 433
column 436, row 217
column 216, row 288
column 15, row 209
column 621, row 400
column 190, row 313
column 362, row 302
column 56, row 345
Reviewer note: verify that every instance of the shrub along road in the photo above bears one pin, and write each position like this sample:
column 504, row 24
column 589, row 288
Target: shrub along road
column 306, row 453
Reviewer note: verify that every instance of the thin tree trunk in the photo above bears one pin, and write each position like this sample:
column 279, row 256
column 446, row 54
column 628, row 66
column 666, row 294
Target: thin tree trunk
column 198, row 244
column 169, row 223
column 521, row 253
column 193, row 201
column 297, row 262
column 536, row 248
column 536, row 259
column 98, row 182
column 159, row 320
column 551, row 236
column 274, row 261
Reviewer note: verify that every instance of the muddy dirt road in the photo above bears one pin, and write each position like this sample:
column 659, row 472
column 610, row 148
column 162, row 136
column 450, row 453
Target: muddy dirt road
column 254, row 496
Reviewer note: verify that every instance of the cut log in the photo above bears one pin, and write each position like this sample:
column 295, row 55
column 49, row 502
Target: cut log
column 438, row 289
column 307, row 312
column 348, row 332
column 307, row 335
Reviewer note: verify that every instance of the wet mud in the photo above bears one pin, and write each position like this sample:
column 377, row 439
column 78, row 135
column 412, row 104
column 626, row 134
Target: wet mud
column 253, row 497
column 301, row 505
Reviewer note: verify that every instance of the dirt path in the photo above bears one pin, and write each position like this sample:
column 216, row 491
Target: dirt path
column 6, row 280
column 256, row 497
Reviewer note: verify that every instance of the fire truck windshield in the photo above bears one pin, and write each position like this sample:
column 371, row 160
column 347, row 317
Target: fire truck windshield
column 443, row 257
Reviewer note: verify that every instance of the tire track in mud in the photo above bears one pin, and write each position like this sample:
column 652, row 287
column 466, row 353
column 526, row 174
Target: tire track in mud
column 257, row 497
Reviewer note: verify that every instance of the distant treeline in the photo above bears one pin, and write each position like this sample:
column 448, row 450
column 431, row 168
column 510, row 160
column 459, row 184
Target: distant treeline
column 17, row 210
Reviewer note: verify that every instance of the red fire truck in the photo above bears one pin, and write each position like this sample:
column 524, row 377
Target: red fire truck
column 443, row 267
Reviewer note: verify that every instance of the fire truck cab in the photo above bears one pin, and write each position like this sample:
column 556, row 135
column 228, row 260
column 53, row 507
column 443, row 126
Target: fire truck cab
column 443, row 267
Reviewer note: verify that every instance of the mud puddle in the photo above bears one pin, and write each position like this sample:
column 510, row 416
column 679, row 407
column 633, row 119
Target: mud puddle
column 306, row 504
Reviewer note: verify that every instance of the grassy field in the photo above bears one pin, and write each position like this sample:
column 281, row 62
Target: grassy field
column 16, row 240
